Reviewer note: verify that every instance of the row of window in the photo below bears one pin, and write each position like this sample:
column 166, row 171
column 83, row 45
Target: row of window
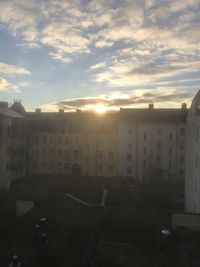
column 158, row 146
column 65, row 166
column 66, row 154
column 51, row 166
column 159, row 131
column 63, row 140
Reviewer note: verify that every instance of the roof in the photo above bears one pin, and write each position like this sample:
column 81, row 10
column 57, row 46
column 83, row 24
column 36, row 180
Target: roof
column 17, row 107
column 157, row 115
column 7, row 112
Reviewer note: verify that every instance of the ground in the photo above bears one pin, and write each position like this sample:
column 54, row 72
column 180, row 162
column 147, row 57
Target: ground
column 125, row 233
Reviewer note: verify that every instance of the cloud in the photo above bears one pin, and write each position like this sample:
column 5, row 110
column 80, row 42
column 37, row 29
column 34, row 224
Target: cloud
column 6, row 86
column 98, row 66
column 136, row 34
column 162, row 97
column 12, row 69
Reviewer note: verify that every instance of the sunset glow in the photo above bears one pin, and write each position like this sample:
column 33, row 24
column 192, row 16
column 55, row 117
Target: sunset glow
column 100, row 109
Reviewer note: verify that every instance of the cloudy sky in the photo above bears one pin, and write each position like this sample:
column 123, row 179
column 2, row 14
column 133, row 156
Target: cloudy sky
column 110, row 53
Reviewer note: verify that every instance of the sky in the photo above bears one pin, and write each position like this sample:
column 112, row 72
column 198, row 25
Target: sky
column 102, row 54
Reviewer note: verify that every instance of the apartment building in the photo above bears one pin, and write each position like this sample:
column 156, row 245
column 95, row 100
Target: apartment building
column 11, row 166
column 152, row 143
column 192, row 177
column 139, row 144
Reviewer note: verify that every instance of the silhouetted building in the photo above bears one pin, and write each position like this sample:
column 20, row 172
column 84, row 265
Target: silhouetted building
column 9, row 145
column 139, row 144
column 192, row 177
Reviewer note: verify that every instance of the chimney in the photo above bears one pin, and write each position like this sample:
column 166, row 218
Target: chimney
column 61, row 111
column 184, row 106
column 38, row 110
column 151, row 106
column 17, row 101
column 3, row 104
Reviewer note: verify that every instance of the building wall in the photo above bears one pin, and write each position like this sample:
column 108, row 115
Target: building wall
column 192, row 181
column 96, row 154
column 152, row 150
column 5, row 150
column 106, row 146
column 18, row 150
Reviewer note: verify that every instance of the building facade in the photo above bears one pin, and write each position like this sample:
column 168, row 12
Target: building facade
column 192, row 177
column 136, row 144
column 11, row 166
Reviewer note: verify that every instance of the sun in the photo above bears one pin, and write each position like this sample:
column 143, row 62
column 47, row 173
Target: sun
column 100, row 109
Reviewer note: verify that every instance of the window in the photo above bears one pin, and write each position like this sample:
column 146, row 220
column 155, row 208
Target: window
column 76, row 154
column 35, row 153
column 8, row 131
column 158, row 145
column 66, row 154
column 59, row 139
column 76, row 140
column 196, row 161
column 8, row 166
column 99, row 168
column 130, row 131
column 144, row 163
column 110, row 155
column 181, row 172
column 110, row 168
column 145, row 150
column 44, row 154
column 129, row 145
column 35, row 139
column 170, row 150
column 87, row 147
column 181, row 146
column 170, row 164
column 44, row 165
column 182, row 131
column 145, row 136
column 35, row 165
column 44, row 139
column 51, row 139
column 66, row 166
column 51, row 166
column 86, row 160
column 59, row 165
column 159, row 131
column 129, row 170
column 129, row 156
column 52, row 155
column 60, row 153
column 170, row 137
column 195, row 184
column 100, row 155
column 181, row 159
column 158, row 157
column 62, row 130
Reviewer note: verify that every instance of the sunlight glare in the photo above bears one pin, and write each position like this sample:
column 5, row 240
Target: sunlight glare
column 100, row 109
